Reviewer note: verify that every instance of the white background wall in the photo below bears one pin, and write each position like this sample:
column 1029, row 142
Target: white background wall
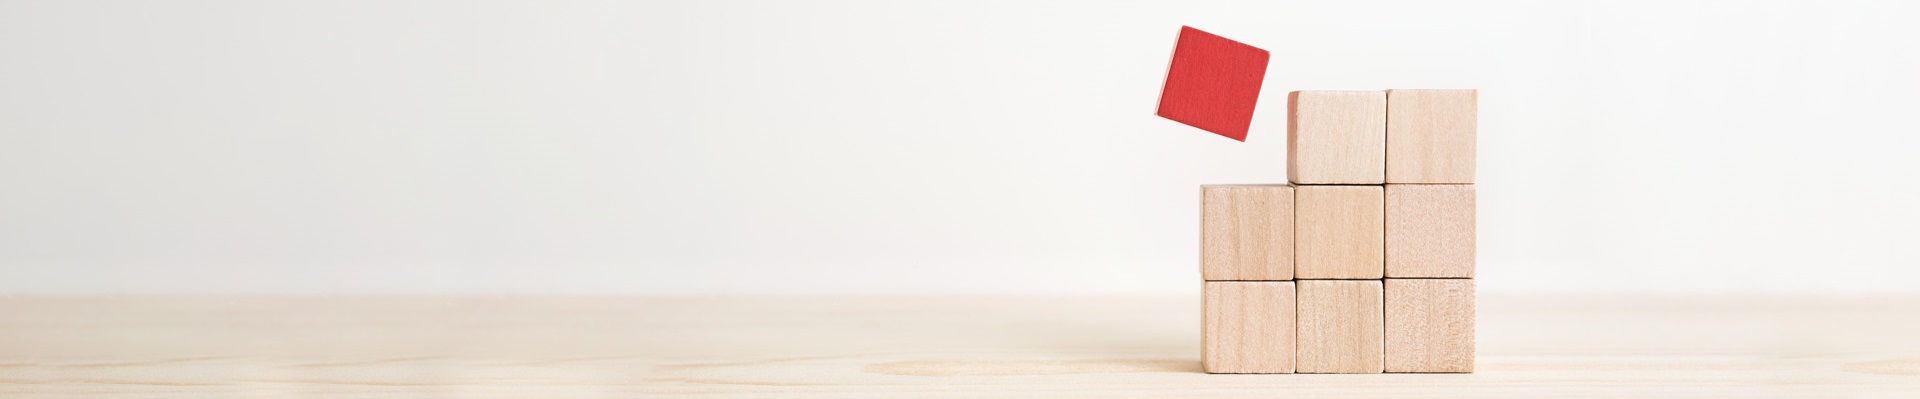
column 899, row 147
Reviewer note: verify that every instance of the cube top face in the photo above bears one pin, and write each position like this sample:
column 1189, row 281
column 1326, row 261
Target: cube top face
column 1247, row 327
column 1339, row 232
column 1341, row 327
column 1430, row 325
column 1213, row 83
column 1431, row 230
column 1246, row 232
column 1337, row 137
column 1432, row 136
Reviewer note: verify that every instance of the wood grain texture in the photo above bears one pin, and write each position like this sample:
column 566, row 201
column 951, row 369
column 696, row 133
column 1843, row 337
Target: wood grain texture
column 1340, row 325
column 1339, row 232
column 1246, row 232
column 1429, row 325
column 1431, row 230
column 1432, row 135
column 1716, row 346
column 1337, row 137
column 1247, row 327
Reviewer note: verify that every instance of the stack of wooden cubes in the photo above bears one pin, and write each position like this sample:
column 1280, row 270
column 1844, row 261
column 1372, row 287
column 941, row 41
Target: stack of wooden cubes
column 1364, row 264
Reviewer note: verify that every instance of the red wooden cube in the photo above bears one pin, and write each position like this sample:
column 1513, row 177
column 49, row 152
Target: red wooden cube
column 1213, row 83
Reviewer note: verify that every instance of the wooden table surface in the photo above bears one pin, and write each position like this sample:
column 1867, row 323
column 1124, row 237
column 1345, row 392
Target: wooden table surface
column 892, row 347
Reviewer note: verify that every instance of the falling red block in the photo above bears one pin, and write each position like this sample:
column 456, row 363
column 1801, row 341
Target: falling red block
column 1213, row 83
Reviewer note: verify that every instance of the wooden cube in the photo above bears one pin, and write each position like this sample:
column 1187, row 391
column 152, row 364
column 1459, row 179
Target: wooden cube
column 1429, row 325
column 1337, row 137
column 1246, row 232
column 1247, row 327
column 1339, row 232
column 1430, row 230
column 1340, row 327
column 1431, row 135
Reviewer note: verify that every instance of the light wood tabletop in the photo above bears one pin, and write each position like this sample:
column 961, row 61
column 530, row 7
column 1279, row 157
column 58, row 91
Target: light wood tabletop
column 893, row 347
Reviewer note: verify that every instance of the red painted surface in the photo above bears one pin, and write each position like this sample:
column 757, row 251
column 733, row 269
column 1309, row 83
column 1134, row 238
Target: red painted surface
column 1213, row 83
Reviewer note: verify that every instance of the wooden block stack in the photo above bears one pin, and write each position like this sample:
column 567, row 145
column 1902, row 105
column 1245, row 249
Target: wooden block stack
column 1364, row 264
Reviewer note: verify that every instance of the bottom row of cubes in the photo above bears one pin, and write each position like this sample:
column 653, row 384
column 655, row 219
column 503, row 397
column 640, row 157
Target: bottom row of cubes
column 1338, row 326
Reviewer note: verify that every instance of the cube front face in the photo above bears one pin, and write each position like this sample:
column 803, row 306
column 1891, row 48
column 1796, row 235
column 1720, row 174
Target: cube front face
column 1246, row 232
column 1341, row 327
column 1431, row 136
column 1213, row 83
column 1430, row 230
column 1248, row 327
column 1337, row 137
column 1339, row 232
column 1430, row 325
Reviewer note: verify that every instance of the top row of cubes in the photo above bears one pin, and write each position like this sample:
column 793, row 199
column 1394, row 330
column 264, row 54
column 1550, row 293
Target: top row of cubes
column 1375, row 137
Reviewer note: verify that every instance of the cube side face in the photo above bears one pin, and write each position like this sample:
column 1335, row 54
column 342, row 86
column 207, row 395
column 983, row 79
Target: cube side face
column 1430, row 325
column 1213, row 83
column 1339, row 232
column 1337, row 137
column 1431, row 230
column 1432, row 136
column 1247, row 327
column 1341, row 327
column 1246, row 232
